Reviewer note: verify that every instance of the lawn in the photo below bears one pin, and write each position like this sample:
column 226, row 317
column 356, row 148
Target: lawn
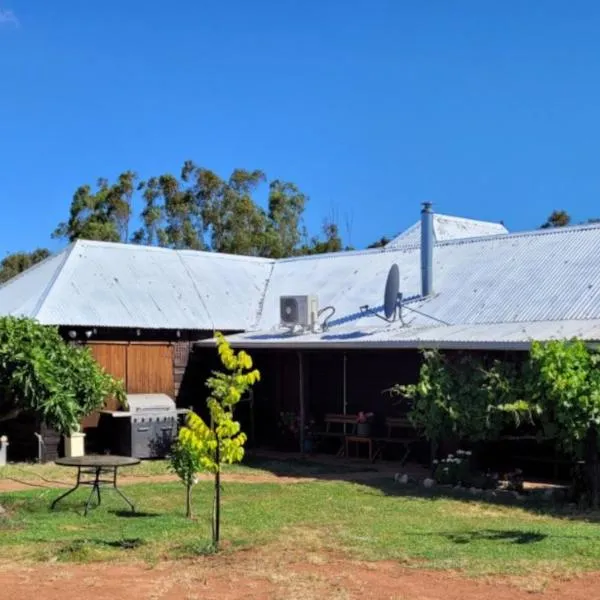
column 380, row 520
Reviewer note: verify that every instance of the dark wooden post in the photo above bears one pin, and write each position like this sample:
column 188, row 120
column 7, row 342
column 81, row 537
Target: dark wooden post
column 301, row 399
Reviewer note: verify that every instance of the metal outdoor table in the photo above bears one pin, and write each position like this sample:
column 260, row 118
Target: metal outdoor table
column 96, row 466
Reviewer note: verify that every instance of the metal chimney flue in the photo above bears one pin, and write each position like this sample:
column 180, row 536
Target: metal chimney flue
column 426, row 249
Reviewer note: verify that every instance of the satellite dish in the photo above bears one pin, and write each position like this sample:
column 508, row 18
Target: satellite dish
column 392, row 287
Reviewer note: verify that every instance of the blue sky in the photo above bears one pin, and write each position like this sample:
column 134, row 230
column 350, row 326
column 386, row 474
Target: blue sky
column 489, row 109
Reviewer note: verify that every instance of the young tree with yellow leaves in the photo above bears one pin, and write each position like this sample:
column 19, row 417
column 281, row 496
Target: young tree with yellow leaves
column 221, row 441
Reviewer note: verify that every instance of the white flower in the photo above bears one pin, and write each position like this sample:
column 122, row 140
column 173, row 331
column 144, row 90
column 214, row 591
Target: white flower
column 445, row 469
column 458, row 461
column 460, row 452
column 435, row 461
column 450, row 456
column 468, row 453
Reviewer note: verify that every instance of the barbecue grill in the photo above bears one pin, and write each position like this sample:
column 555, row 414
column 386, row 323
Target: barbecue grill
column 147, row 429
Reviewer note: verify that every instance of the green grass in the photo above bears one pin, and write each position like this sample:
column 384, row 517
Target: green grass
column 372, row 521
column 44, row 474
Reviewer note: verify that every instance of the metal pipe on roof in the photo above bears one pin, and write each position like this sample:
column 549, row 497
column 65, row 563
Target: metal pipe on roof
column 426, row 249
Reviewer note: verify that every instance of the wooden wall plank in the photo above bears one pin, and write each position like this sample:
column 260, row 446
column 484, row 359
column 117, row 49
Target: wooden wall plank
column 113, row 358
column 150, row 369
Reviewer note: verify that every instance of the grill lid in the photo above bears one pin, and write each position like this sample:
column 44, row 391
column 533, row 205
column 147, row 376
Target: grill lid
column 138, row 403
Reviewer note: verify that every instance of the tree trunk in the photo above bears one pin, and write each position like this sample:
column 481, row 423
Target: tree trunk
column 593, row 467
column 188, row 501
column 216, row 520
column 217, row 509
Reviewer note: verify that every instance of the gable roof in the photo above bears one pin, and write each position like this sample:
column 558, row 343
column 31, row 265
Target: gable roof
column 446, row 228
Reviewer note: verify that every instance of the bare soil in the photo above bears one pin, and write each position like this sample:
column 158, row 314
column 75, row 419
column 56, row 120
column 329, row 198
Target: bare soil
column 275, row 575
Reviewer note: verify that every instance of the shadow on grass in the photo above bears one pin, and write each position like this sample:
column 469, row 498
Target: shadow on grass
column 378, row 477
column 127, row 514
column 494, row 535
column 532, row 503
column 81, row 549
column 296, row 466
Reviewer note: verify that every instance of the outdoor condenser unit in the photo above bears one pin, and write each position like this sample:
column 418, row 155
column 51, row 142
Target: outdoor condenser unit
column 298, row 310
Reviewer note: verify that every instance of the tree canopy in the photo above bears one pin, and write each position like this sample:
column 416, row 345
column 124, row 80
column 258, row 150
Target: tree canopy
column 561, row 218
column 18, row 262
column 197, row 209
column 42, row 374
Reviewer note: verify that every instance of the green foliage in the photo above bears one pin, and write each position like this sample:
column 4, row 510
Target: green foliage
column 42, row 374
column 185, row 463
column 558, row 218
column 460, row 396
column 102, row 215
column 380, row 243
column 557, row 389
column 16, row 263
column 566, row 383
column 201, row 211
column 453, row 470
column 221, row 441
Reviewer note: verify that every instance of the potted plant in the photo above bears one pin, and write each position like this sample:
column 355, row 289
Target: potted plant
column 363, row 423
column 75, row 442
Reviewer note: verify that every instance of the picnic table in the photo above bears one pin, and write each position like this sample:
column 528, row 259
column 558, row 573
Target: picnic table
column 101, row 471
column 399, row 431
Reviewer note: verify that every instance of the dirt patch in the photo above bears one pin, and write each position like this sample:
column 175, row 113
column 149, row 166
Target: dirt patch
column 251, row 575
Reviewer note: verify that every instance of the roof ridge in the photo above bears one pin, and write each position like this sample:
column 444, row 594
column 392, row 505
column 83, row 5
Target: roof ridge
column 31, row 268
column 56, row 275
column 148, row 248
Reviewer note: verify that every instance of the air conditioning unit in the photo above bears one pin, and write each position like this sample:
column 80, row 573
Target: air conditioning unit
column 298, row 310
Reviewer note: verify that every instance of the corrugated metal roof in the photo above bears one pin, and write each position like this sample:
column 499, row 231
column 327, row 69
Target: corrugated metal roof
column 537, row 276
column 446, row 228
column 541, row 276
column 119, row 285
column 498, row 336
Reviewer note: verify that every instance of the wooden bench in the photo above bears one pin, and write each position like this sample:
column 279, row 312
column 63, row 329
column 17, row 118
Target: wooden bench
column 336, row 426
column 399, row 431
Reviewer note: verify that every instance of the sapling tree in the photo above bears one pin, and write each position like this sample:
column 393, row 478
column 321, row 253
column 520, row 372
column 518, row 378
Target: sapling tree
column 221, row 441
column 185, row 462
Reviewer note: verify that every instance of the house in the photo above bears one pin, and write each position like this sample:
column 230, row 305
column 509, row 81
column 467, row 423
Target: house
column 465, row 285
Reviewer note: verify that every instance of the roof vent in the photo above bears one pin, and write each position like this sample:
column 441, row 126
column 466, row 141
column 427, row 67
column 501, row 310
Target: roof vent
column 426, row 250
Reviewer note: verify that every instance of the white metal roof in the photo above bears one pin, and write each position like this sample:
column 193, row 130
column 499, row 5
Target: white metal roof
column 125, row 285
column 446, row 228
column 481, row 286
column 545, row 275
column 496, row 336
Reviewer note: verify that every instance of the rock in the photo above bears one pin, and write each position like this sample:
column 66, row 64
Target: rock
column 473, row 491
column 403, row 479
column 2, row 511
column 428, row 483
